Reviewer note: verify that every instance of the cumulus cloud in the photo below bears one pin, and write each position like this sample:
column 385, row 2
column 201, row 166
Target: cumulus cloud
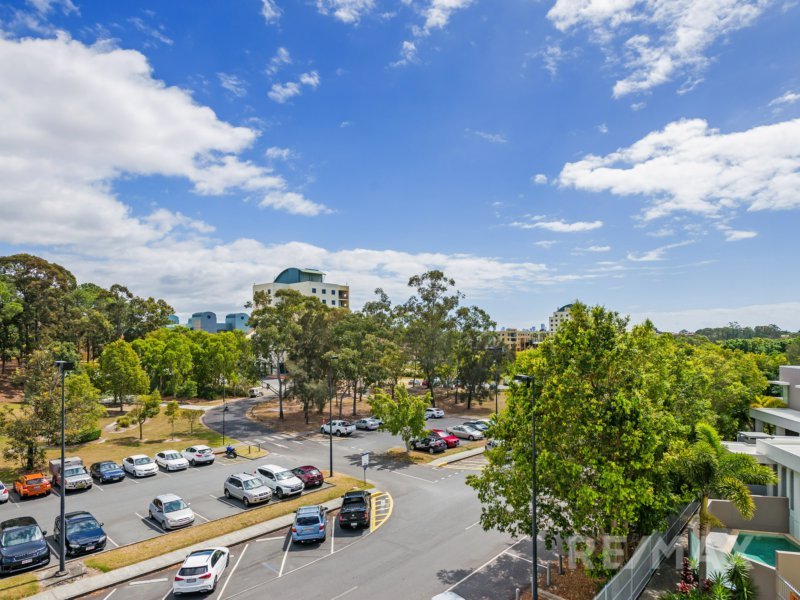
column 436, row 14
column 656, row 254
column 282, row 57
column 270, row 11
column 277, row 153
column 656, row 40
column 559, row 226
column 539, row 179
column 494, row 138
column 408, row 54
column 690, row 167
column 787, row 98
column 67, row 138
column 235, row 85
column 346, row 11
column 283, row 92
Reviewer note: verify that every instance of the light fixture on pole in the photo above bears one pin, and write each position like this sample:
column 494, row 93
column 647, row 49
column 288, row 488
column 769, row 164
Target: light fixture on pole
column 333, row 358
column 528, row 381
column 499, row 350
column 63, row 367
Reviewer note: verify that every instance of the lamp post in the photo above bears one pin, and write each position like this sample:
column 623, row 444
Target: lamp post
column 499, row 350
column 63, row 367
column 333, row 358
column 528, row 381
column 224, row 410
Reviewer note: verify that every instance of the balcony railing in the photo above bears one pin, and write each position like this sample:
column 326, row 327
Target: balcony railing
column 785, row 590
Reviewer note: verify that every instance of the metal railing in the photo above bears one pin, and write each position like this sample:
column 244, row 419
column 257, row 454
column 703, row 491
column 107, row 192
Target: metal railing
column 634, row 576
column 785, row 590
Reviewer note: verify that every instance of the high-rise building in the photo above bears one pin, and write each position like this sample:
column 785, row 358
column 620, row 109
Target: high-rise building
column 309, row 282
column 558, row 317
column 521, row 339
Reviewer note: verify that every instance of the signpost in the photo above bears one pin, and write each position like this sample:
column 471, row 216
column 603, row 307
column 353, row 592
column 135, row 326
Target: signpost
column 365, row 464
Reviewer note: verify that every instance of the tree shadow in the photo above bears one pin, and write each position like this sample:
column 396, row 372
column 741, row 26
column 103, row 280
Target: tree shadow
column 381, row 461
column 451, row 576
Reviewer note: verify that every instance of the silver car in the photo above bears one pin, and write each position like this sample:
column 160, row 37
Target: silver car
column 465, row 432
column 170, row 511
column 247, row 488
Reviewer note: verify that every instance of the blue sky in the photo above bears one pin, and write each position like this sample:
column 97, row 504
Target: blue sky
column 640, row 154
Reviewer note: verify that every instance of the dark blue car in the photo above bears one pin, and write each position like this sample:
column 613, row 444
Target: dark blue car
column 107, row 471
column 22, row 545
column 84, row 533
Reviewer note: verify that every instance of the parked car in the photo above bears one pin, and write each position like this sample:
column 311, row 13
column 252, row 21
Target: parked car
column 356, row 509
column 255, row 392
column 448, row 438
column 106, row 471
column 465, row 432
column 3, row 493
column 72, row 476
column 247, row 488
column 33, row 484
column 493, row 443
column 280, row 480
column 429, row 443
column 22, row 545
column 201, row 571
column 480, row 424
column 310, row 476
column 199, row 455
column 368, row 424
column 310, row 524
column 84, row 533
column 170, row 511
column 433, row 413
column 171, row 460
column 140, row 465
column 339, row 427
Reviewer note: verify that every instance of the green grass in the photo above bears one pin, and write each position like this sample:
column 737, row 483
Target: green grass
column 19, row 586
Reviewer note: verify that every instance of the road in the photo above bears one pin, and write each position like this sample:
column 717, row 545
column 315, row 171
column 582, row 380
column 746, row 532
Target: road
column 431, row 542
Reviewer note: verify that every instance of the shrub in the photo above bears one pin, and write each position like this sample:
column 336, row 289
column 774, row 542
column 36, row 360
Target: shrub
column 123, row 422
column 88, row 435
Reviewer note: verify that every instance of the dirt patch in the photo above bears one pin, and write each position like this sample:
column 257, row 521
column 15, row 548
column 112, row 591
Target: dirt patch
column 10, row 389
column 456, row 404
column 574, row 584
column 267, row 413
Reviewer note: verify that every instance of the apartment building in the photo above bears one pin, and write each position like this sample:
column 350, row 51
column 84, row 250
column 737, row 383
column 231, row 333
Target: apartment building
column 309, row 282
column 558, row 317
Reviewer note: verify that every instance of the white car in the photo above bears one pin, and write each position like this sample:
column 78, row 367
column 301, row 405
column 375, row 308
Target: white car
column 369, row 424
column 465, row 432
column 280, row 480
column 200, row 454
column 436, row 413
column 340, row 428
column 201, row 571
column 247, row 488
column 171, row 460
column 139, row 465
column 3, row 493
column 170, row 511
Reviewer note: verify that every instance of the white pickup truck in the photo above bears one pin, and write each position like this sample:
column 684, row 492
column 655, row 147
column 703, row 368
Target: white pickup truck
column 339, row 428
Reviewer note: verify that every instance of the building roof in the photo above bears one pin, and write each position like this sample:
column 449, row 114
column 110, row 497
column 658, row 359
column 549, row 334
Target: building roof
column 295, row 275
column 788, row 418
column 565, row 307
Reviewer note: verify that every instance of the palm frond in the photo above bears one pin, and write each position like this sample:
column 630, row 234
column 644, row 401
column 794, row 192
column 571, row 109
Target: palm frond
column 706, row 433
column 733, row 489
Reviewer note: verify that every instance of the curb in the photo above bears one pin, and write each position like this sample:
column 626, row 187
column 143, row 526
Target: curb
column 98, row 582
column 454, row 457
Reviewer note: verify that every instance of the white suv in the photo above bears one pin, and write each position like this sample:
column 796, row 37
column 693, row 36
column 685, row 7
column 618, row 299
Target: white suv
column 199, row 455
column 436, row 413
column 201, row 571
column 247, row 488
column 339, row 428
column 280, row 480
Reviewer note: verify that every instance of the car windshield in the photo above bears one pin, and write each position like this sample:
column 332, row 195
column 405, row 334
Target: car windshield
column 82, row 526
column 172, row 456
column 251, row 484
column 35, row 480
column 345, row 423
column 282, row 475
column 108, row 466
column 143, row 461
column 21, row 535
column 308, row 520
column 74, row 471
column 191, row 571
column 174, row 505
column 312, row 472
column 2, row 487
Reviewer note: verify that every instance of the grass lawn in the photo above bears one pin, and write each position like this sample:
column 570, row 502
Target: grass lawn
column 128, row 555
column 116, row 445
column 19, row 586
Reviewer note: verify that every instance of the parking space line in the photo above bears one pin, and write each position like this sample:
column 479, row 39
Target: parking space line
column 197, row 514
column 280, row 445
column 111, row 593
column 412, row 476
column 296, row 442
column 343, row 594
column 270, row 539
column 473, row 525
column 116, row 545
column 159, row 580
column 283, row 562
column 333, row 533
column 230, row 575
column 98, row 487
column 150, row 522
column 225, row 501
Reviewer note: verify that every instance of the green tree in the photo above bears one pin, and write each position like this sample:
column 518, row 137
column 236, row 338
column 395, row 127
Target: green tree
column 706, row 468
column 121, row 372
column 473, row 357
column 793, row 352
column 82, row 406
column 10, row 307
column 147, row 407
column 402, row 414
column 192, row 415
column 173, row 413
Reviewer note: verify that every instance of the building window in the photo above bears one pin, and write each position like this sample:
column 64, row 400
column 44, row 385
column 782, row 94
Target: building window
column 333, row 302
column 324, row 291
column 314, row 291
column 325, row 302
column 783, row 481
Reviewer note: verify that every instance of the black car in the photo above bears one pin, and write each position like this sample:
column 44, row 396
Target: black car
column 430, row 444
column 22, row 545
column 356, row 509
column 106, row 471
column 84, row 533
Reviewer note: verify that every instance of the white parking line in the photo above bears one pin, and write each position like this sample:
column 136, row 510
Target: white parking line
column 296, row 442
column 159, row 580
column 343, row 594
column 333, row 532
column 224, row 501
column 270, row 539
column 473, row 525
column 230, row 575
column 150, row 522
column 111, row 593
column 280, row 445
column 116, row 545
column 283, row 562
column 99, row 488
column 412, row 476
column 197, row 514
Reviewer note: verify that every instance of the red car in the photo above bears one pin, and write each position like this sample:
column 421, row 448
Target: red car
column 309, row 475
column 450, row 440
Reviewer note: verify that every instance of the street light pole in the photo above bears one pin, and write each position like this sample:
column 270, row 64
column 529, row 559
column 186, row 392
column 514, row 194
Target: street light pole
column 528, row 380
column 224, row 410
column 333, row 359
column 63, row 367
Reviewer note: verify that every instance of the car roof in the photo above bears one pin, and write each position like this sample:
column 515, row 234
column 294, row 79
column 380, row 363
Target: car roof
column 309, row 510
column 32, row 476
column 198, row 446
column 105, row 462
column 273, row 468
column 200, row 557
column 168, row 497
column 18, row 522
column 245, row 476
column 307, row 467
column 138, row 456
column 79, row 514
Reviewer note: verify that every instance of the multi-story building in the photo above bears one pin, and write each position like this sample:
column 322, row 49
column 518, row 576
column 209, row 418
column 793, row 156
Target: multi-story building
column 786, row 421
column 558, row 317
column 521, row 339
column 207, row 321
column 308, row 282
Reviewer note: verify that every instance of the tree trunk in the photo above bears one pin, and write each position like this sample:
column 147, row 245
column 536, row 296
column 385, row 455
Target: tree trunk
column 280, row 395
column 702, row 563
column 469, row 399
column 355, row 386
column 140, row 430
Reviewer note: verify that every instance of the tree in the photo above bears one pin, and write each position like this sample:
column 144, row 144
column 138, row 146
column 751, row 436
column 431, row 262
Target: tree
column 402, row 414
column 147, row 407
column 474, row 360
column 793, row 352
column 82, row 406
column 192, row 415
column 430, row 323
column 172, row 412
column 707, row 467
column 121, row 372
column 10, row 307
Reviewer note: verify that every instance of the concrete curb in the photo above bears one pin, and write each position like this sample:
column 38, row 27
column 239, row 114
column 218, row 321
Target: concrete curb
column 454, row 457
column 89, row 585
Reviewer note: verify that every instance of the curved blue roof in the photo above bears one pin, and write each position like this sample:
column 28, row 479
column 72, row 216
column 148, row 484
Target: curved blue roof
column 295, row 275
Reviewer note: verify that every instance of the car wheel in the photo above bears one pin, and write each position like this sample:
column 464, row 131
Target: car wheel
column 430, row 449
column 338, row 434
column 227, row 493
column 279, row 493
column 472, row 438
column 246, row 502
column 324, row 537
column 322, row 430
column 191, row 462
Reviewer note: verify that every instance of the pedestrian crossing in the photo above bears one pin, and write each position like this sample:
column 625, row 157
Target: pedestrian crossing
column 473, row 463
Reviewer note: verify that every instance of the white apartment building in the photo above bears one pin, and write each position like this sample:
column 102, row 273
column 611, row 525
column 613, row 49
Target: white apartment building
column 309, row 282
column 558, row 317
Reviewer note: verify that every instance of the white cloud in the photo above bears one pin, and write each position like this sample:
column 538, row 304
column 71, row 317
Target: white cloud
column 283, row 92
column 559, row 226
column 785, row 314
column 345, row 124
column 787, row 98
column 545, row 243
column 155, row 33
column 734, row 235
column 277, row 153
column 637, row 106
column 67, row 138
column 539, row 179
column 346, row 11
column 494, row 138
column 235, row 85
column 310, row 79
column 657, row 253
column 672, row 36
column 438, row 12
column 602, row 128
column 689, row 167
column 408, row 54
column 595, row 249
column 270, row 11
column 45, row 7
column 282, row 57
